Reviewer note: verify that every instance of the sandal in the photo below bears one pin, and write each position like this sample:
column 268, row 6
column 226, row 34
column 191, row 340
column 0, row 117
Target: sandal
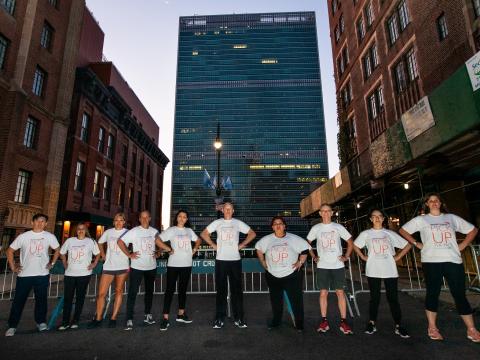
column 434, row 334
column 473, row 335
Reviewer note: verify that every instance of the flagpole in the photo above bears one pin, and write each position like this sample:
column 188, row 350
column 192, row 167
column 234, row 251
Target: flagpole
column 218, row 148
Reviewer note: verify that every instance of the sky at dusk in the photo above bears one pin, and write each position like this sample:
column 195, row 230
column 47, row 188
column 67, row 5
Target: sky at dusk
column 141, row 38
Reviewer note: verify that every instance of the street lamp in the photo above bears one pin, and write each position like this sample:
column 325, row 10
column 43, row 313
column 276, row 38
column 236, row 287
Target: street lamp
column 218, row 186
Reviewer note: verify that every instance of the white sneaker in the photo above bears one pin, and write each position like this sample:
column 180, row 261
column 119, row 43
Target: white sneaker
column 129, row 325
column 10, row 332
column 42, row 327
column 149, row 319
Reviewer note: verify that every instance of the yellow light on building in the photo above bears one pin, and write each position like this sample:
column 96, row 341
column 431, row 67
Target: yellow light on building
column 99, row 231
column 66, row 230
column 269, row 61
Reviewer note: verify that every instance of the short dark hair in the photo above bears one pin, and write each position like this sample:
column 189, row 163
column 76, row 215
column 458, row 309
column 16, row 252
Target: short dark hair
column 38, row 216
column 325, row 204
column 443, row 206
column 278, row 217
column 187, row 224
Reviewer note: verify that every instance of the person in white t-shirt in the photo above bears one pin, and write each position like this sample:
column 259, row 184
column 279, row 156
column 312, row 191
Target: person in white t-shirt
column 441, row 257
column 179, row 265
column 282, row 254
column 143, row 257
column 115, row 266
column 381, row 265
column 32, row 272
column 228, row 263
column 330, row 265
column 77, row 253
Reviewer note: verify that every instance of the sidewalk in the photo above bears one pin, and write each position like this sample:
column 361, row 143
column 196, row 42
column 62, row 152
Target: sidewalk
column 199, row 341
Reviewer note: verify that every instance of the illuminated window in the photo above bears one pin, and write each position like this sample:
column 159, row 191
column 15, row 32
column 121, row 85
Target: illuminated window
column 240, row 46
column 96, row 184
column 23, row 186
column 269, row 61
column 39, row 80
column 31, row 130
column 194, row 53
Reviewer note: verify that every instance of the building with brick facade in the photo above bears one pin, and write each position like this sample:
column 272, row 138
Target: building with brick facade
column 409, row 118
column 38, row 55
column 113, row 163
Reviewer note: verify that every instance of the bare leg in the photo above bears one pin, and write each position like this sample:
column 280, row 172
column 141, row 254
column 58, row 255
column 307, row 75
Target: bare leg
column 105, row 281
column 119, row 287
column 323, row 302
column 342, row 303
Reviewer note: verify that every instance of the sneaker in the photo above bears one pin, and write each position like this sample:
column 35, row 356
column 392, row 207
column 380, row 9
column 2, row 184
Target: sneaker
column 184, row 318
column 63, row 327
column 474, row 335
column 370, row 328
column 240, row 324
column 323, row 327
column 345, row 328
column 402, row 332
column 149, row 319
column 434, row 334
column 10, row 332
column 129, row 325
column 273, row 325
column 42, row 327
column 94, row 324
column 164, row 324
column 218, row 324
column 112, row 323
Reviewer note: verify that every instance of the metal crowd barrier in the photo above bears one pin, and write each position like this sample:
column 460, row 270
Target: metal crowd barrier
column 410, row 272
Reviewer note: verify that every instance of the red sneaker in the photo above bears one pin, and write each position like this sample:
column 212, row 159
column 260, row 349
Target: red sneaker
column 345, row 328
column 323, row 327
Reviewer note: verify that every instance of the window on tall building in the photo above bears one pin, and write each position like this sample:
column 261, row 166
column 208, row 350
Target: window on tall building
column 79, row 175
column 476, row 7
column 403, row 15
column 442, row 27
column 142, row 165
column 124, row 155
column 130, row 197
column 342, row 24
column 22, row 192
column 121, row 195
column 375, row 103
column 405, row 70
column 148, row 173
column 370, row 61
column 342, row 61
column 412, row 65
column 400, row 76
column 346, row 94
column 39, row 80
column 392, row 25
column 360, row 29
column 84, row 128
column 101, row 139
column 369, row 17
column 54, row 3
column 31, row 132
column 110, row 146
column 334, row 6
column 3, row 50
column 8, row 5
column 96, row 184
column 46, row 38
column 337, row 33
column 139, row 200
column 107, row 187
column 134, row 162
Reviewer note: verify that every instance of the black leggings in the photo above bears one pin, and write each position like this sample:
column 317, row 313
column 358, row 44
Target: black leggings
column 135, row 279
column 74, row 286
column 455, row 276
column 183, row 275
column 391, row 289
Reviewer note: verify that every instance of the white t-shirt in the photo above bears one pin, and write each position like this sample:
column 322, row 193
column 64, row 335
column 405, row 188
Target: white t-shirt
column 381, row 246
column 181, row 242
column 329, row 244
column 438, row 236
column 34, row 255
column 281, row 253
column 80, row 254
column 115, row 258
column 143, row 242
column 228, row 232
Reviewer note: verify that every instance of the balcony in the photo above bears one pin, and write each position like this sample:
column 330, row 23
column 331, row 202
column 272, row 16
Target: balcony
column 378, row 124
column 407, row 98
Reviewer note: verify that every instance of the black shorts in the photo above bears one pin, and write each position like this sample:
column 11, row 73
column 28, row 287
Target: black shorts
column 115, row 272
column 333, row 279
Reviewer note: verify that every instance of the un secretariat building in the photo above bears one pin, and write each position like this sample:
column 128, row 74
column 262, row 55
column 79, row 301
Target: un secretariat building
column 256, row 79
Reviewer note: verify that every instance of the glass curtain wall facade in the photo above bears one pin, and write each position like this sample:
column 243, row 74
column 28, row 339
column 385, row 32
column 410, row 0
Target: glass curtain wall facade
column 258, row 77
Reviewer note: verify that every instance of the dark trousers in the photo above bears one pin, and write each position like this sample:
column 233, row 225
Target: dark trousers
column 455, row 276
column 74, row 286
column 391, row 288
column 22, row 290
column 292, row 285
column 183, row 276
column 231, row 269
column 135, row 279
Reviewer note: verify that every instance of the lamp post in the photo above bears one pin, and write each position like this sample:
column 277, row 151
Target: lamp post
column 218, row 186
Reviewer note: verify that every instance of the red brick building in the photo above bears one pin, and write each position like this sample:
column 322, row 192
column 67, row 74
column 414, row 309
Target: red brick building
column 113, row 163
column 394, row 61
column 38, row 54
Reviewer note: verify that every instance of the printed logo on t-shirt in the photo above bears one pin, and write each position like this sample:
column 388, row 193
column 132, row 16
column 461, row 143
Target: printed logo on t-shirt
column 37, row 247
column 77, row 253
column 227, row 235
column 113, row 246
column 442, row 234
column 328, row 241
column 147, row 245
column 381, row 247
column 183, row 242
column 279, row 254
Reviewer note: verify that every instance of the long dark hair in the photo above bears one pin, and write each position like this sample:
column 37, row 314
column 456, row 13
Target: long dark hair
column 187, row 224
column 278, row 217
column 385, row 216
column 443, row 207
